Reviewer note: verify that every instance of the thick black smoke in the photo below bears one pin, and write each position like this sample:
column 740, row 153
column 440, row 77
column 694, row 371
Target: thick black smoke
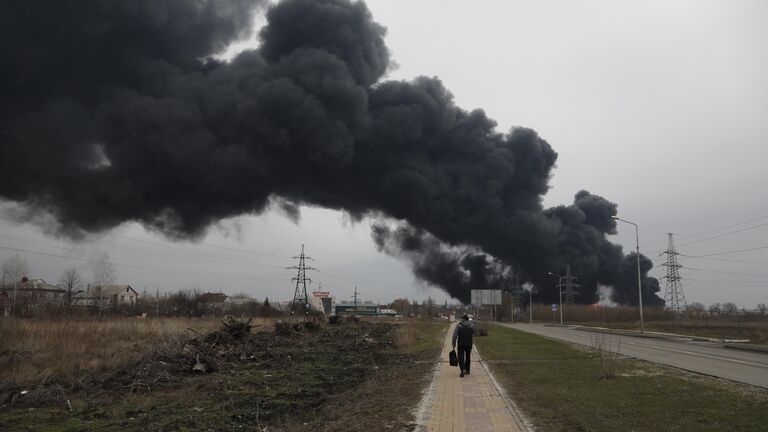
column 458, row 270
column 114, row 111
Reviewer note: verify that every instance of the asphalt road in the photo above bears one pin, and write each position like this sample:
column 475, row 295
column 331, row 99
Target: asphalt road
column 705, row 358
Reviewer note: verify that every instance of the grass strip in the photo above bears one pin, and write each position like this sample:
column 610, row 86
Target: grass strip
column 559, row 387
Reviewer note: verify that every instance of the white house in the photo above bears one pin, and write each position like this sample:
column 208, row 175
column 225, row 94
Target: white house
column 106, row 296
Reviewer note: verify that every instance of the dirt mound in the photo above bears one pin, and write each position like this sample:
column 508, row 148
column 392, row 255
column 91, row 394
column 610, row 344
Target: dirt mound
column 283, row 328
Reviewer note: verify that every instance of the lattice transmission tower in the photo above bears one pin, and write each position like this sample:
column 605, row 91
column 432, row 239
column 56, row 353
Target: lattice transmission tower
column 300, row 297
column 568, row 280
column 674, row 297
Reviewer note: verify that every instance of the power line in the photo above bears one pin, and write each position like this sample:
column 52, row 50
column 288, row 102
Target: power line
column 144, row 266
column 352, row 278
column 726, row 252
column 710, row 231
column 30, row 212
column 221, row 262
column 349, row 276
column 760, row 263
column 748, row 284
column 247, row 263
column 758, row 275
column 725, row 234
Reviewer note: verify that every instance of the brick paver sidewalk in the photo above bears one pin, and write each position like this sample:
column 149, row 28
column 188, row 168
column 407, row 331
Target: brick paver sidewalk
column 473, row 403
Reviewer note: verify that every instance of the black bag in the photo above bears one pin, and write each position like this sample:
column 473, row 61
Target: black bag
column 452, row 358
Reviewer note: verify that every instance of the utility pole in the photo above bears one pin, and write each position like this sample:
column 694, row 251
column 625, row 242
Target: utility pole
column 355, row 297
column 674, row 298
column 157, row 300
column 512, row 308
column 560, row 289
column 300, row 295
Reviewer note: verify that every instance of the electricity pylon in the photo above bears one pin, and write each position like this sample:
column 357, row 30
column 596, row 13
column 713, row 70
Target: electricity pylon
column 300, row 296
column 569, row 285
column 673, row 293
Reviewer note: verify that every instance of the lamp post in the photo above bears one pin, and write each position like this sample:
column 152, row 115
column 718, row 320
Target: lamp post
column 560, row 287
column 530, row 306
column 639, row 283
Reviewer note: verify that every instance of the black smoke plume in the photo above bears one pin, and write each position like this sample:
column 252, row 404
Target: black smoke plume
column 115, row 111
column 458, row 270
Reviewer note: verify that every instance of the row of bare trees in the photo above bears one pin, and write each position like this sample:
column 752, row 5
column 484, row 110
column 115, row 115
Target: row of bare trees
column 727, row 311
column 79, row 293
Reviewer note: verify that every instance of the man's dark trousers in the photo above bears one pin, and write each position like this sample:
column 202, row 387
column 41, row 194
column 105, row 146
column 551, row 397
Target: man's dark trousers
column 463, row 354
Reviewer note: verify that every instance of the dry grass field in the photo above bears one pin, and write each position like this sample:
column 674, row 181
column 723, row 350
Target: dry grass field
column 133, row 375
column 34, row 351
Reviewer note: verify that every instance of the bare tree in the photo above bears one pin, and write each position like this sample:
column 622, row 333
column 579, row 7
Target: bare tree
column 762, row 308
column 103, row 271
column 73, row 283
column 400, row 305
column 715, row 308
column 14, row 268
column 696, row 310
column 430, row 305
column 103, row 274
column 730, row 309
column 5, row 278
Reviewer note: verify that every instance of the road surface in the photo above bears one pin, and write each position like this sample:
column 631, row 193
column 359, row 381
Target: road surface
column 705, row 358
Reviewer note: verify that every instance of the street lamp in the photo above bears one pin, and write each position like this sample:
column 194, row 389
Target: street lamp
column 639, row 283
column 560, row 287
column 530, row 304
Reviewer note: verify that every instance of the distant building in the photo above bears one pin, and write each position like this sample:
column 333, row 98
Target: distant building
column 33, row 293
column 107, row 296
column 120, row 295
column 363, row 309
column 239, row 301
column 360, row 309
column 327, row 305
column 212, row 302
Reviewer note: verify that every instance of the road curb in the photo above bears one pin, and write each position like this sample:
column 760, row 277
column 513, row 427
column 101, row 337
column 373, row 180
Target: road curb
column 523, row 423
column 747, row 347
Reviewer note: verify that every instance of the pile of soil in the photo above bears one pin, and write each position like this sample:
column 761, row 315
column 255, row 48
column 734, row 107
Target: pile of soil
column 237, row 376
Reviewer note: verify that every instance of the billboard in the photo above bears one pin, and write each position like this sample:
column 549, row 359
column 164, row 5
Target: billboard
column 486, row 297
column 321, row 294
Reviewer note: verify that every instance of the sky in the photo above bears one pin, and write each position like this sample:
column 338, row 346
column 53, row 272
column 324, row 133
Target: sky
column 657, row 106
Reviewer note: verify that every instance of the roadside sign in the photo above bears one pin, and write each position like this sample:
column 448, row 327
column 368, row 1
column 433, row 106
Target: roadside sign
column 554, row 307
column 485, row 297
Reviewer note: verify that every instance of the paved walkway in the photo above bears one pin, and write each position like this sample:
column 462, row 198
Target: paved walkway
column 474, row 403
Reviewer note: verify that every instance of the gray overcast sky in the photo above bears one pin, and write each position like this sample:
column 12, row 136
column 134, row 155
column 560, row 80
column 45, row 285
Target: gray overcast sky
column 658, row 106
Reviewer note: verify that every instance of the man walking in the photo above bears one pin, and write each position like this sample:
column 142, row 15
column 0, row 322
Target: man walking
column 463, row 335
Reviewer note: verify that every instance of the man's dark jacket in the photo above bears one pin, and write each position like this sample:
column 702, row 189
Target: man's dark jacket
column 463, row 334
